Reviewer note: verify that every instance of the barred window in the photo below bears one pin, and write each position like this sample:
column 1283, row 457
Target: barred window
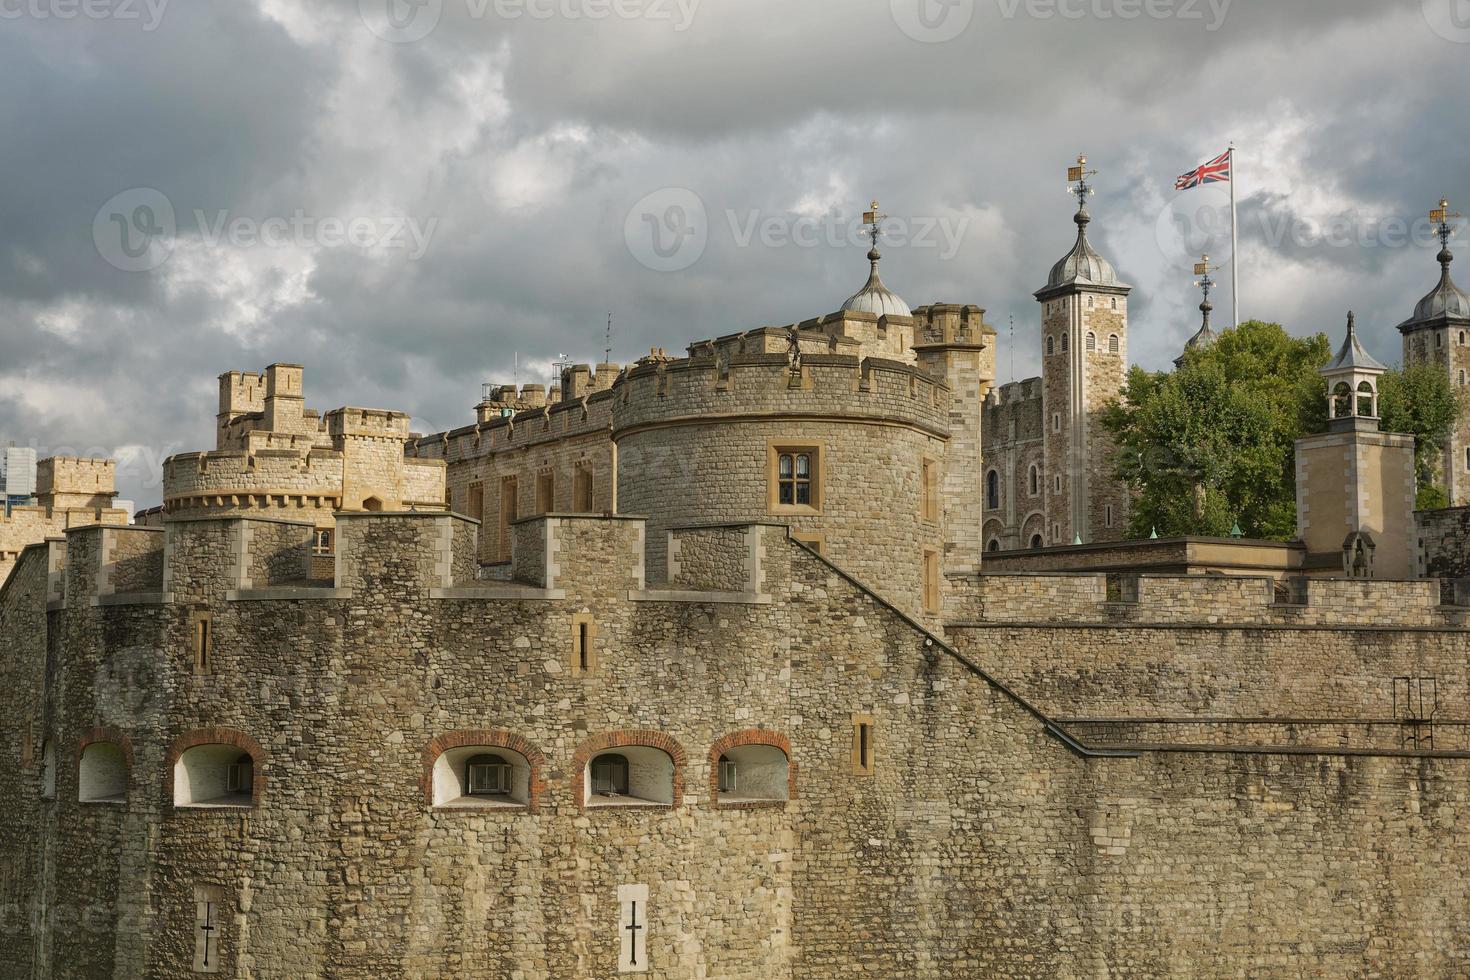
column 795, row 479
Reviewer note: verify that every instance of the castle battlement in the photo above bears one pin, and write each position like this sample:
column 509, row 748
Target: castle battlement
column 530, row 427
column 367, row 423
column 951, row 324
column 1198, row 600
column 200, row 560
column 828, row 385
column 76, row 475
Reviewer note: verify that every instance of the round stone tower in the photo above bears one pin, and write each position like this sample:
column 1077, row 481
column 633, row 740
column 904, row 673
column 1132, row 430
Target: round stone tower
column 829, row 426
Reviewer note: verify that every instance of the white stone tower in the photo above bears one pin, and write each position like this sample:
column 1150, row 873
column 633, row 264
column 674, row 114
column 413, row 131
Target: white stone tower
column 1084, row 324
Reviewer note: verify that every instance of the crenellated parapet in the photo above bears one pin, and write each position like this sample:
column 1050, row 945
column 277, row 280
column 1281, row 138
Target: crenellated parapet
column 721, row 382
column 268, row 479
column 1198, row 600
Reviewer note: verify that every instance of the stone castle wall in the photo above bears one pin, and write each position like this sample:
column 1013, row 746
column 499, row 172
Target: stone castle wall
column 1442, row 543
column 714, row 436
column 70, row 492
column 1144, row 865
column 1013, row 442
column 1217, row 651
column 493, row 467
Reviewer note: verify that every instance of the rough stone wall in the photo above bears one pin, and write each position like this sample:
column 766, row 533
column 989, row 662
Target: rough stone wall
column 979, row 845
column 276, row 553
column 560, row 439
column 1057, row 418
column 1186, row 672
column 872, row 423
column 26, row 841
column 136, row 559
column 1013, row 441
column 958, row 347
column 715, row 559
column 1442, row 539
column 1107, row 499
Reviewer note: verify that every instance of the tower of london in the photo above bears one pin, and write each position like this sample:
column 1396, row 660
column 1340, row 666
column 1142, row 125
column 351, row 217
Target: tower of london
column 693, row 667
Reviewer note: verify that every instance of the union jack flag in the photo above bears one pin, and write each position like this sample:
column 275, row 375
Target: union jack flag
column 1217, row 171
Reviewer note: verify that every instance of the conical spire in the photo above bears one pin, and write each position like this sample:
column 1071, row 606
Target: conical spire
column 1446, row 301
column 1353, row 355
column 1082, row 266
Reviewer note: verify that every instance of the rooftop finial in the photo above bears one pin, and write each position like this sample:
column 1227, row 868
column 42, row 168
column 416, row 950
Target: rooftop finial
column 1205, row 336
column 1202, row 268
column 1442, row 216
column 874, row 297
column 874, row 220
column 1078, row 175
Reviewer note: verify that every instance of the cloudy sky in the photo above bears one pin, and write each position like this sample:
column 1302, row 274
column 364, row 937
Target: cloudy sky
column 408, row 195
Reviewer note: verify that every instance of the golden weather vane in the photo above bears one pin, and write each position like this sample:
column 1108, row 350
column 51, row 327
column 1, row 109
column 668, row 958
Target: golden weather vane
column 874, row 221
column 1442, row 216
column 1078, row 175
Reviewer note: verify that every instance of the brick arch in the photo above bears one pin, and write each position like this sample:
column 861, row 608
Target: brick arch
column 106, row 734
column 750, row 736
column 490, row 738
column 994, row 529
column 1035, row 523
column 219, row 736
column 623, row 739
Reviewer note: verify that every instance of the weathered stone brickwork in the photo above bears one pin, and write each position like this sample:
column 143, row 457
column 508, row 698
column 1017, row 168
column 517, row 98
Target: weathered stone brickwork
column 983, row 839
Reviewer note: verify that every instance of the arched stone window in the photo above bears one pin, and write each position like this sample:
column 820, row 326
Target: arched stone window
column 1115, row 302
column 1065, row 341
column 1050, row 349
column 481, row 770
column 372, row 504
column 992, row 490
column 1342, row 401
column 1113, row 342
column 481, row 776
column 1033, row 478
column 1090, row 302
column 626, row 769
column 1036, row 542
column 1091, row 341
column 216, row 768
column 1462, row 379
column 102, row 769
column 1462, row 338
column 994, row 545
column 48, row 770
column 752, row 767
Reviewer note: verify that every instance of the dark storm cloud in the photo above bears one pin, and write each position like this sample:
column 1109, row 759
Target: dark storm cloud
column 517, row 145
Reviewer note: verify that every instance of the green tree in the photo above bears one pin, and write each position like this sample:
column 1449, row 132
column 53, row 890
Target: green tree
column 1421, row 400
column 1210, row 445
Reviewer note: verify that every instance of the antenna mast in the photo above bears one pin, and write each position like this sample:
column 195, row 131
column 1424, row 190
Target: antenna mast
column 607, row 350
column 1012, row 345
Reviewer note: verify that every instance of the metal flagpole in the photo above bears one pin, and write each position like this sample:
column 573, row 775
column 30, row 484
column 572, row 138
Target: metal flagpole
column 1234, row 247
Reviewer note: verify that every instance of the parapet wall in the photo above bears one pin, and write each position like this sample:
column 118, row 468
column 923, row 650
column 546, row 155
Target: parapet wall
column 533, row 427
column 272, row 471
column 830, row 386
column 70, row 475
column 1067, row 599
